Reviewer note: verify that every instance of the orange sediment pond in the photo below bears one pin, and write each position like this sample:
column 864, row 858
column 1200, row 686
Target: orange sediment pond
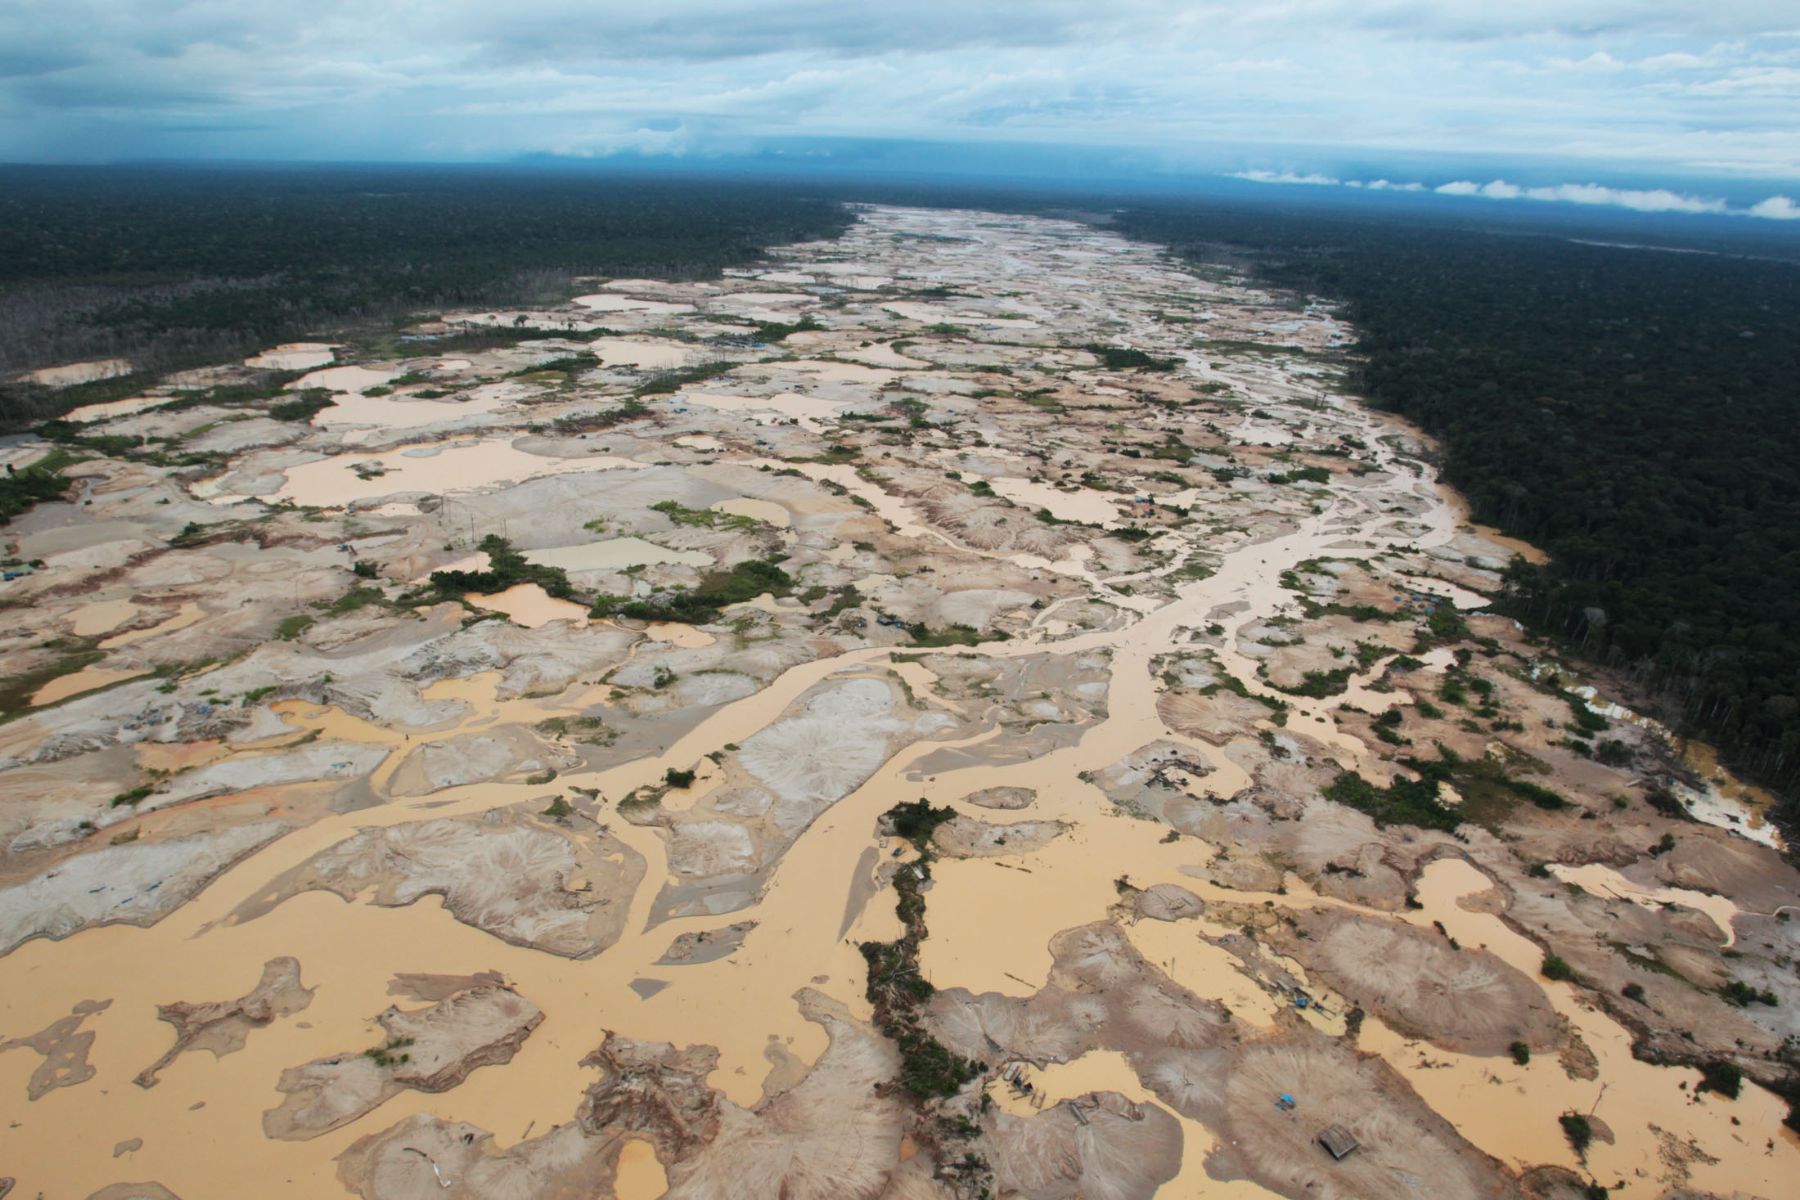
column 640, row 1175
column 436, row 469
column 991, row 918
column 1511, row 1111
column 529, row 605
column 84, row 680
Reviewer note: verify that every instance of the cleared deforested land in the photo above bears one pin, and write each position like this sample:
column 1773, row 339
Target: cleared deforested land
column 966, row 707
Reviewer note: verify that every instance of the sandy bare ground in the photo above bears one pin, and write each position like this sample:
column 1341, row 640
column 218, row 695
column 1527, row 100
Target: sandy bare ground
column 579, row 895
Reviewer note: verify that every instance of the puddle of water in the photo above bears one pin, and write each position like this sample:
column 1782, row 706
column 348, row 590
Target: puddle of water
column 293, row 356
column 638, row 352
column 84, row 680
column 805, row 411
column 615, row 303
column 1602, row 880
column 1108, row 1071
column 70, row 374
column 349, row 950
column 345, row 379
column 640, row 1175
column 529, row 605
column 440, row 470
column 101, row 616
column 1085, row 506
column 684, row 636
column 398, row 412
column 115, row 408
column 189, row 613
column 1518, row 1123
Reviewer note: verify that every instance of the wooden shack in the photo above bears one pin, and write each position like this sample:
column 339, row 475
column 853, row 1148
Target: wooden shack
column 1337, row 1141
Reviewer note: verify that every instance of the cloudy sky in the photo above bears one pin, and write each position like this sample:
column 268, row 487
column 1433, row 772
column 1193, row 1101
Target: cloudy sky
column 1273, row 89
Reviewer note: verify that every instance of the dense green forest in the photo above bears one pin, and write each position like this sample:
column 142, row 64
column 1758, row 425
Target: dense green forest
column 1634, row 412
column 171, row 267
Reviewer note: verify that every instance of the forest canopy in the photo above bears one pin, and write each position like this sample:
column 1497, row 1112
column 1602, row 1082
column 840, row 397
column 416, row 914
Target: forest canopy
column 1633, row 411
column 171, row 267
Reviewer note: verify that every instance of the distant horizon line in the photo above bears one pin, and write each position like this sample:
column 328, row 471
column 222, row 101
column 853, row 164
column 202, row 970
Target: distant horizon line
column 1568, row 195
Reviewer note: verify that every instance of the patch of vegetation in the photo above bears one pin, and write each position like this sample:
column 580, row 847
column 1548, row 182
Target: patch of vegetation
column 917, row 821
column 1520, row 1052
column 1403, row 802
column 847, row 598
column 291, row 627
column 1723, row 1077
column 1557, row 969
column 1302, row 475
column 630, row 409
column 303, row 406
column 1318, row 684
column 390, row 1053
column 1124, row 358
column 1443, row 624
column 779, row 331
column 355, row 598
column 928, row 1069
column 678, row 779
column 1550, row 368
column 947, row 635
column 16, row 691
column 506, row 568
column 42, row 480
column 706, row 518
column 664, row 383
column 1579, row 1130
column 571, row 364
column 67, row 433
column 1743, row 995
column 565, row 726
column 1487, row 788
column 701, row 605
column 181, row 266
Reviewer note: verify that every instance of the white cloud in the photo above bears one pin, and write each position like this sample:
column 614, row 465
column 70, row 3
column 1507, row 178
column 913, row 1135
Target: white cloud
column 1638, row 82
column 1655, row 200
column 1778, row 208
column 1649, row 200
column 1286, row 177
column 1599, row 60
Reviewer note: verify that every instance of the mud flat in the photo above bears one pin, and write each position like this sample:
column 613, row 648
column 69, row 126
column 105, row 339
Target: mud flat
column 1224, row 787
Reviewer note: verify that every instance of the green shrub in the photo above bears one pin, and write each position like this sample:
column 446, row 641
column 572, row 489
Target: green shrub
column 1722, row 1077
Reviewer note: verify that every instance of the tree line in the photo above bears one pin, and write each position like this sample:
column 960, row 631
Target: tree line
column 1635, row 413
column 171, row 267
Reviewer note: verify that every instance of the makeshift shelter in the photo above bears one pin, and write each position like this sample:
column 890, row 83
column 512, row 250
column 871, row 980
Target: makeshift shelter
column 1337, row 1141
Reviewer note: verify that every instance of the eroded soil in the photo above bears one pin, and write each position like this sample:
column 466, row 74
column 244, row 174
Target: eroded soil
column 1258, row 823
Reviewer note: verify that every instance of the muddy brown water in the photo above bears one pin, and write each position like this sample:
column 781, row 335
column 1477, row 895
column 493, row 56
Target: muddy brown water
column 991, row 920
